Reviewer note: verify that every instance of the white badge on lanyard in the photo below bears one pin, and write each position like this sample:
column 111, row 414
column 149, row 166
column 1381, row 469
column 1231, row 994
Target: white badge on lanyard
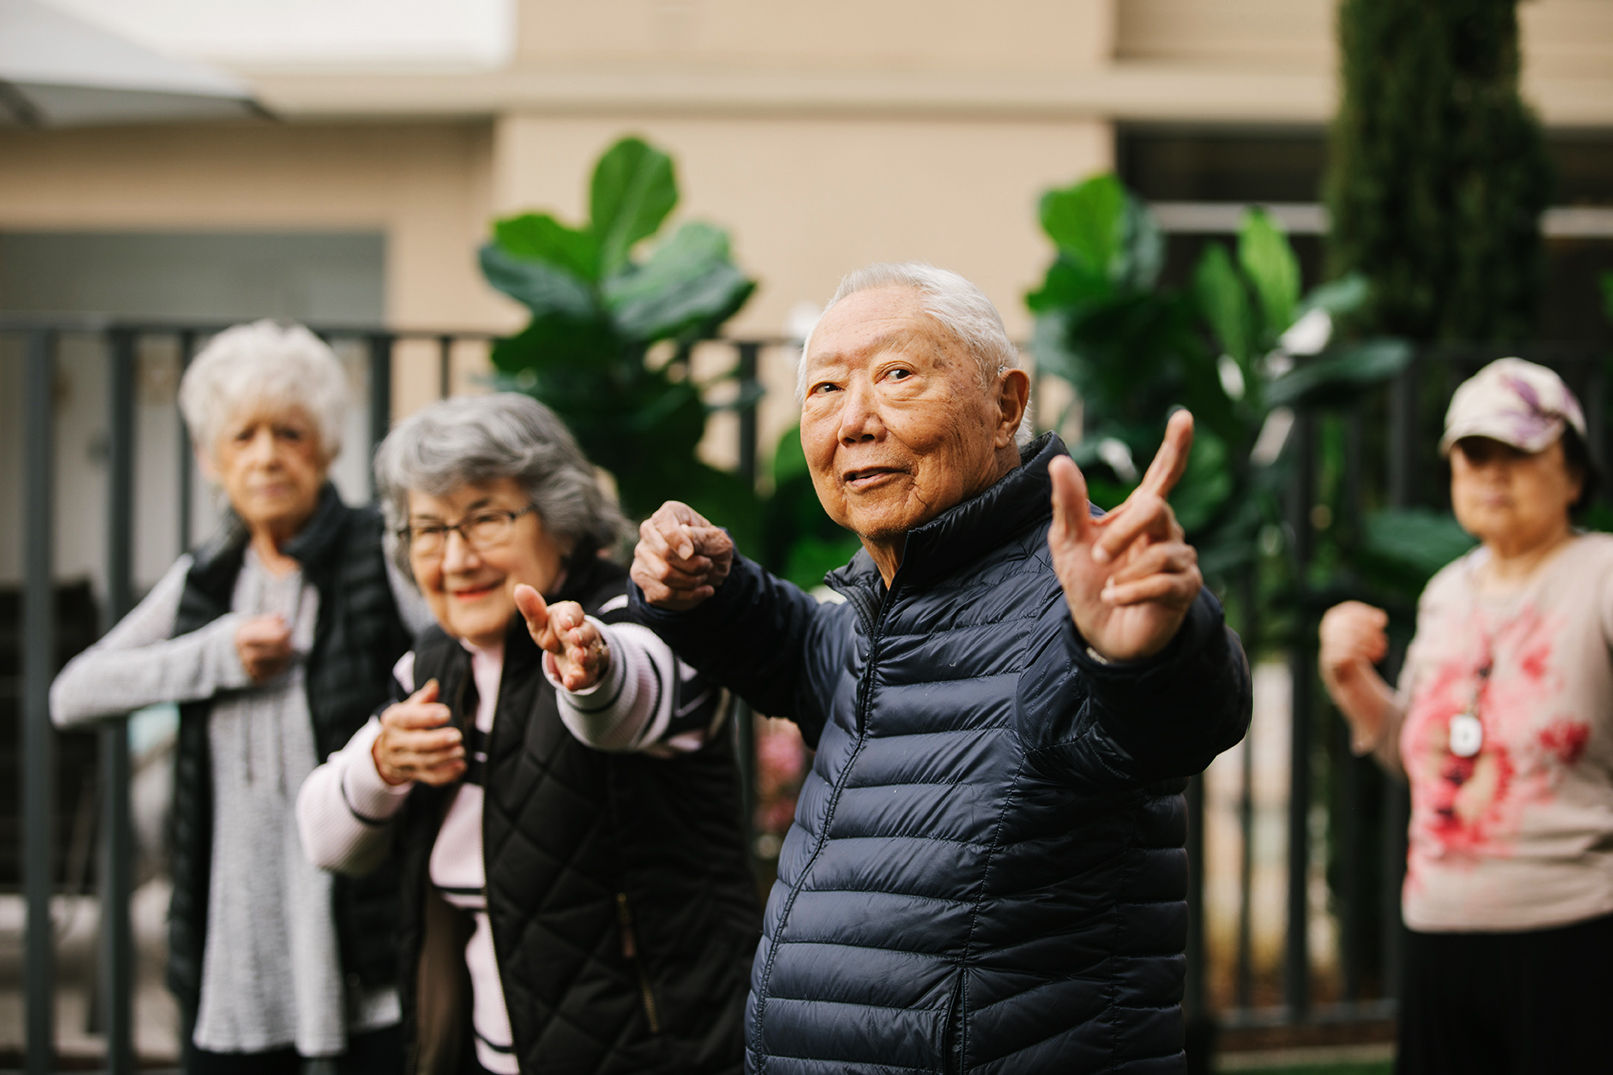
column 1467, row 735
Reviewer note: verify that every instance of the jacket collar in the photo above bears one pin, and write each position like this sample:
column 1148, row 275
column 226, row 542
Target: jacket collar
column 312, row 547
column 966, row 532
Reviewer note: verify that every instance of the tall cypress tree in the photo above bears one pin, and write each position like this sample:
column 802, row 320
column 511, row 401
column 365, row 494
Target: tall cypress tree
column 1438, row 172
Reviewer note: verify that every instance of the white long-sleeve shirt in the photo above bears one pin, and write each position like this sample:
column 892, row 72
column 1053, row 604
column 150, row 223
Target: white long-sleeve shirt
column 271, row 974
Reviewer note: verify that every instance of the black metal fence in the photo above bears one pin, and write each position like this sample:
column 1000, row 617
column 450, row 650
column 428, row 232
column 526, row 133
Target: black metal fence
column 1377, row 450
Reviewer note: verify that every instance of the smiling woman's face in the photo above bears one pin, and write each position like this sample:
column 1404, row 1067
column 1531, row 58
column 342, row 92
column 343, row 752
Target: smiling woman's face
column 470, row 589
column 895, row 423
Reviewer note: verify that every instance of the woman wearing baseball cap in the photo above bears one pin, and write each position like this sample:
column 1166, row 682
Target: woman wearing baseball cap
column 1502, row 724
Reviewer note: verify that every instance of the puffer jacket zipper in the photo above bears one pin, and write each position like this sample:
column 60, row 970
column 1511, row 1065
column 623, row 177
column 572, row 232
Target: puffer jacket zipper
column 872, row 618
column 624, row 918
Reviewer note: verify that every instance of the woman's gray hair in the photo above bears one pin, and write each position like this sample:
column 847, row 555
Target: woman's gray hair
column 959, row 309
column 472, row 440
column 264, row 362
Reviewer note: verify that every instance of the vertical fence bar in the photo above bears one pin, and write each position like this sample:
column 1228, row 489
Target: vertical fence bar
column 744, row 719
column 1296, row 977
column 1249, row 594
column 38, row 663
column 380, row 348
column 1595, row 406
column 117, row 944
column 187, row 459
column 445, row 366
column 749, row 363
column 1402, row 487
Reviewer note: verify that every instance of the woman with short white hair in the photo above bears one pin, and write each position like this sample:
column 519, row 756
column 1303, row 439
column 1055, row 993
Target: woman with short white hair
column 276, row 640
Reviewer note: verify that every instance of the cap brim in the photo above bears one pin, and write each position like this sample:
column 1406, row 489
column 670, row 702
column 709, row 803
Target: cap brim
column 1509, row 430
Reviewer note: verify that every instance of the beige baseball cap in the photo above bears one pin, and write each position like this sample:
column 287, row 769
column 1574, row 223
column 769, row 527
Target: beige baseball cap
column 1515, row 402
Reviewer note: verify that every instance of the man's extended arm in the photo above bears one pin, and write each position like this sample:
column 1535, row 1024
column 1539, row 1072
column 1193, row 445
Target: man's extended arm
column 758, row 635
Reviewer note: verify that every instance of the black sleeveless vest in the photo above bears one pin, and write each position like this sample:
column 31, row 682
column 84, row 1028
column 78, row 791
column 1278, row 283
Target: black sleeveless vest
column 357, row 639
column 623, row 910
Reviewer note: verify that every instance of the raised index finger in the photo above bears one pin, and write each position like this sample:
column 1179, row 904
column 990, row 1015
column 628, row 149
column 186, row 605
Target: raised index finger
column 1171, row 459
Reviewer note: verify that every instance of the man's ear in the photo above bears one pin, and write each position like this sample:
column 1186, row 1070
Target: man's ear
column 1013, row 396
column 204, row 463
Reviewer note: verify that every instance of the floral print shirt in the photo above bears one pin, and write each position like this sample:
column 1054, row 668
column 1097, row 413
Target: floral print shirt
column 1519, row 835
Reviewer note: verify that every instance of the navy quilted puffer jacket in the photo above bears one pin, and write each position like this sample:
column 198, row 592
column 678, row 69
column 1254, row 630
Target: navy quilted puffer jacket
column 986, row 871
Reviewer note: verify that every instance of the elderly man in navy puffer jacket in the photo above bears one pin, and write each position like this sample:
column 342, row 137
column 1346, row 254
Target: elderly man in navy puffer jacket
column 986, row 871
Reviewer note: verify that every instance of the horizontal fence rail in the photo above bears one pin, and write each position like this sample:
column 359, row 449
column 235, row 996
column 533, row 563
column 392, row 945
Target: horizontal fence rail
column 1338, row 809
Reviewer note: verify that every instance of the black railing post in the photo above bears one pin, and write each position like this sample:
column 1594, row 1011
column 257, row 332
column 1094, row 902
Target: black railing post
column 380, row 374
column 1249, row 596
column 1301, row 666
column 117, row 945
column 38, row 662
column 744, row 719
column 1402, row 490
column 445, row 366
column 187, row 457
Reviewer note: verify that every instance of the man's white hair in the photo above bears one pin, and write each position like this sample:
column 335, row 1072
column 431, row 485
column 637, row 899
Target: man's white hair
column 264, row 362
column 959, row 310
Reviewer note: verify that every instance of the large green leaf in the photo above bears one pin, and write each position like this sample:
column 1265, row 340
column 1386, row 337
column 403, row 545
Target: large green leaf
column 1142, row 251
column 554, row 345
column 686, row 289
column 540, row 237
column 1339, row 375
column 1068, row 283
column 1224, row 302
column 1205, row 484
column 541, row 287
column 1088, row 222
column 1273, row 270
column 633, row 191
column 1409, row 544
column 1338, row 297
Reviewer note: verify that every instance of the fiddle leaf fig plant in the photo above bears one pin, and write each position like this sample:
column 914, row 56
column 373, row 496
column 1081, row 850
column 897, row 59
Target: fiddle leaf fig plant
column 1240, row 345
column 615, row 311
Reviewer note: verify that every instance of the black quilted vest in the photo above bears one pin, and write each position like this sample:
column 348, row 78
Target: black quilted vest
column 357, row 639
column 623, row 910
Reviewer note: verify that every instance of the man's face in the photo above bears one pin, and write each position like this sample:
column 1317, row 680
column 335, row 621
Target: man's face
column 895, row 423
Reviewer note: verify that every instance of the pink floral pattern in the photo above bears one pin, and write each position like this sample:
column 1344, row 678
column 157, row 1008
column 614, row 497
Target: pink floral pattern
column 1466, row 809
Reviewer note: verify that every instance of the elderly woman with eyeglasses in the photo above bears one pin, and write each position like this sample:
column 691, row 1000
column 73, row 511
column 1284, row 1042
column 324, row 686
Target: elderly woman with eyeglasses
column 560, row 790
column 1502, row 725
column 276, row 639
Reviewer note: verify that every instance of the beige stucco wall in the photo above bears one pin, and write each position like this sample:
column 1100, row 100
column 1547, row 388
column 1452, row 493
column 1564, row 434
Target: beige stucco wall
column 904, row 35
column 807, row 198
column 426, row 187
column 1567, row 49
column 821, row 136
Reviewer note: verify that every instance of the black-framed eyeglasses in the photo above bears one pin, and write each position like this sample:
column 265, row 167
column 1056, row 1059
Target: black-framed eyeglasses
column 483, row 529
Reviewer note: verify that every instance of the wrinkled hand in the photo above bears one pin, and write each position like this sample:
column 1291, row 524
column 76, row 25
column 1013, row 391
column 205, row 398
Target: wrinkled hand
column 417, row 742
column 264, row 645
column 573, row 641
column 680, row 559
column 1129, row 577
column 1354, row 637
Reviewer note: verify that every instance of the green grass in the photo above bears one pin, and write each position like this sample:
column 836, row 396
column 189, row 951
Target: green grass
column 1353, row 1067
